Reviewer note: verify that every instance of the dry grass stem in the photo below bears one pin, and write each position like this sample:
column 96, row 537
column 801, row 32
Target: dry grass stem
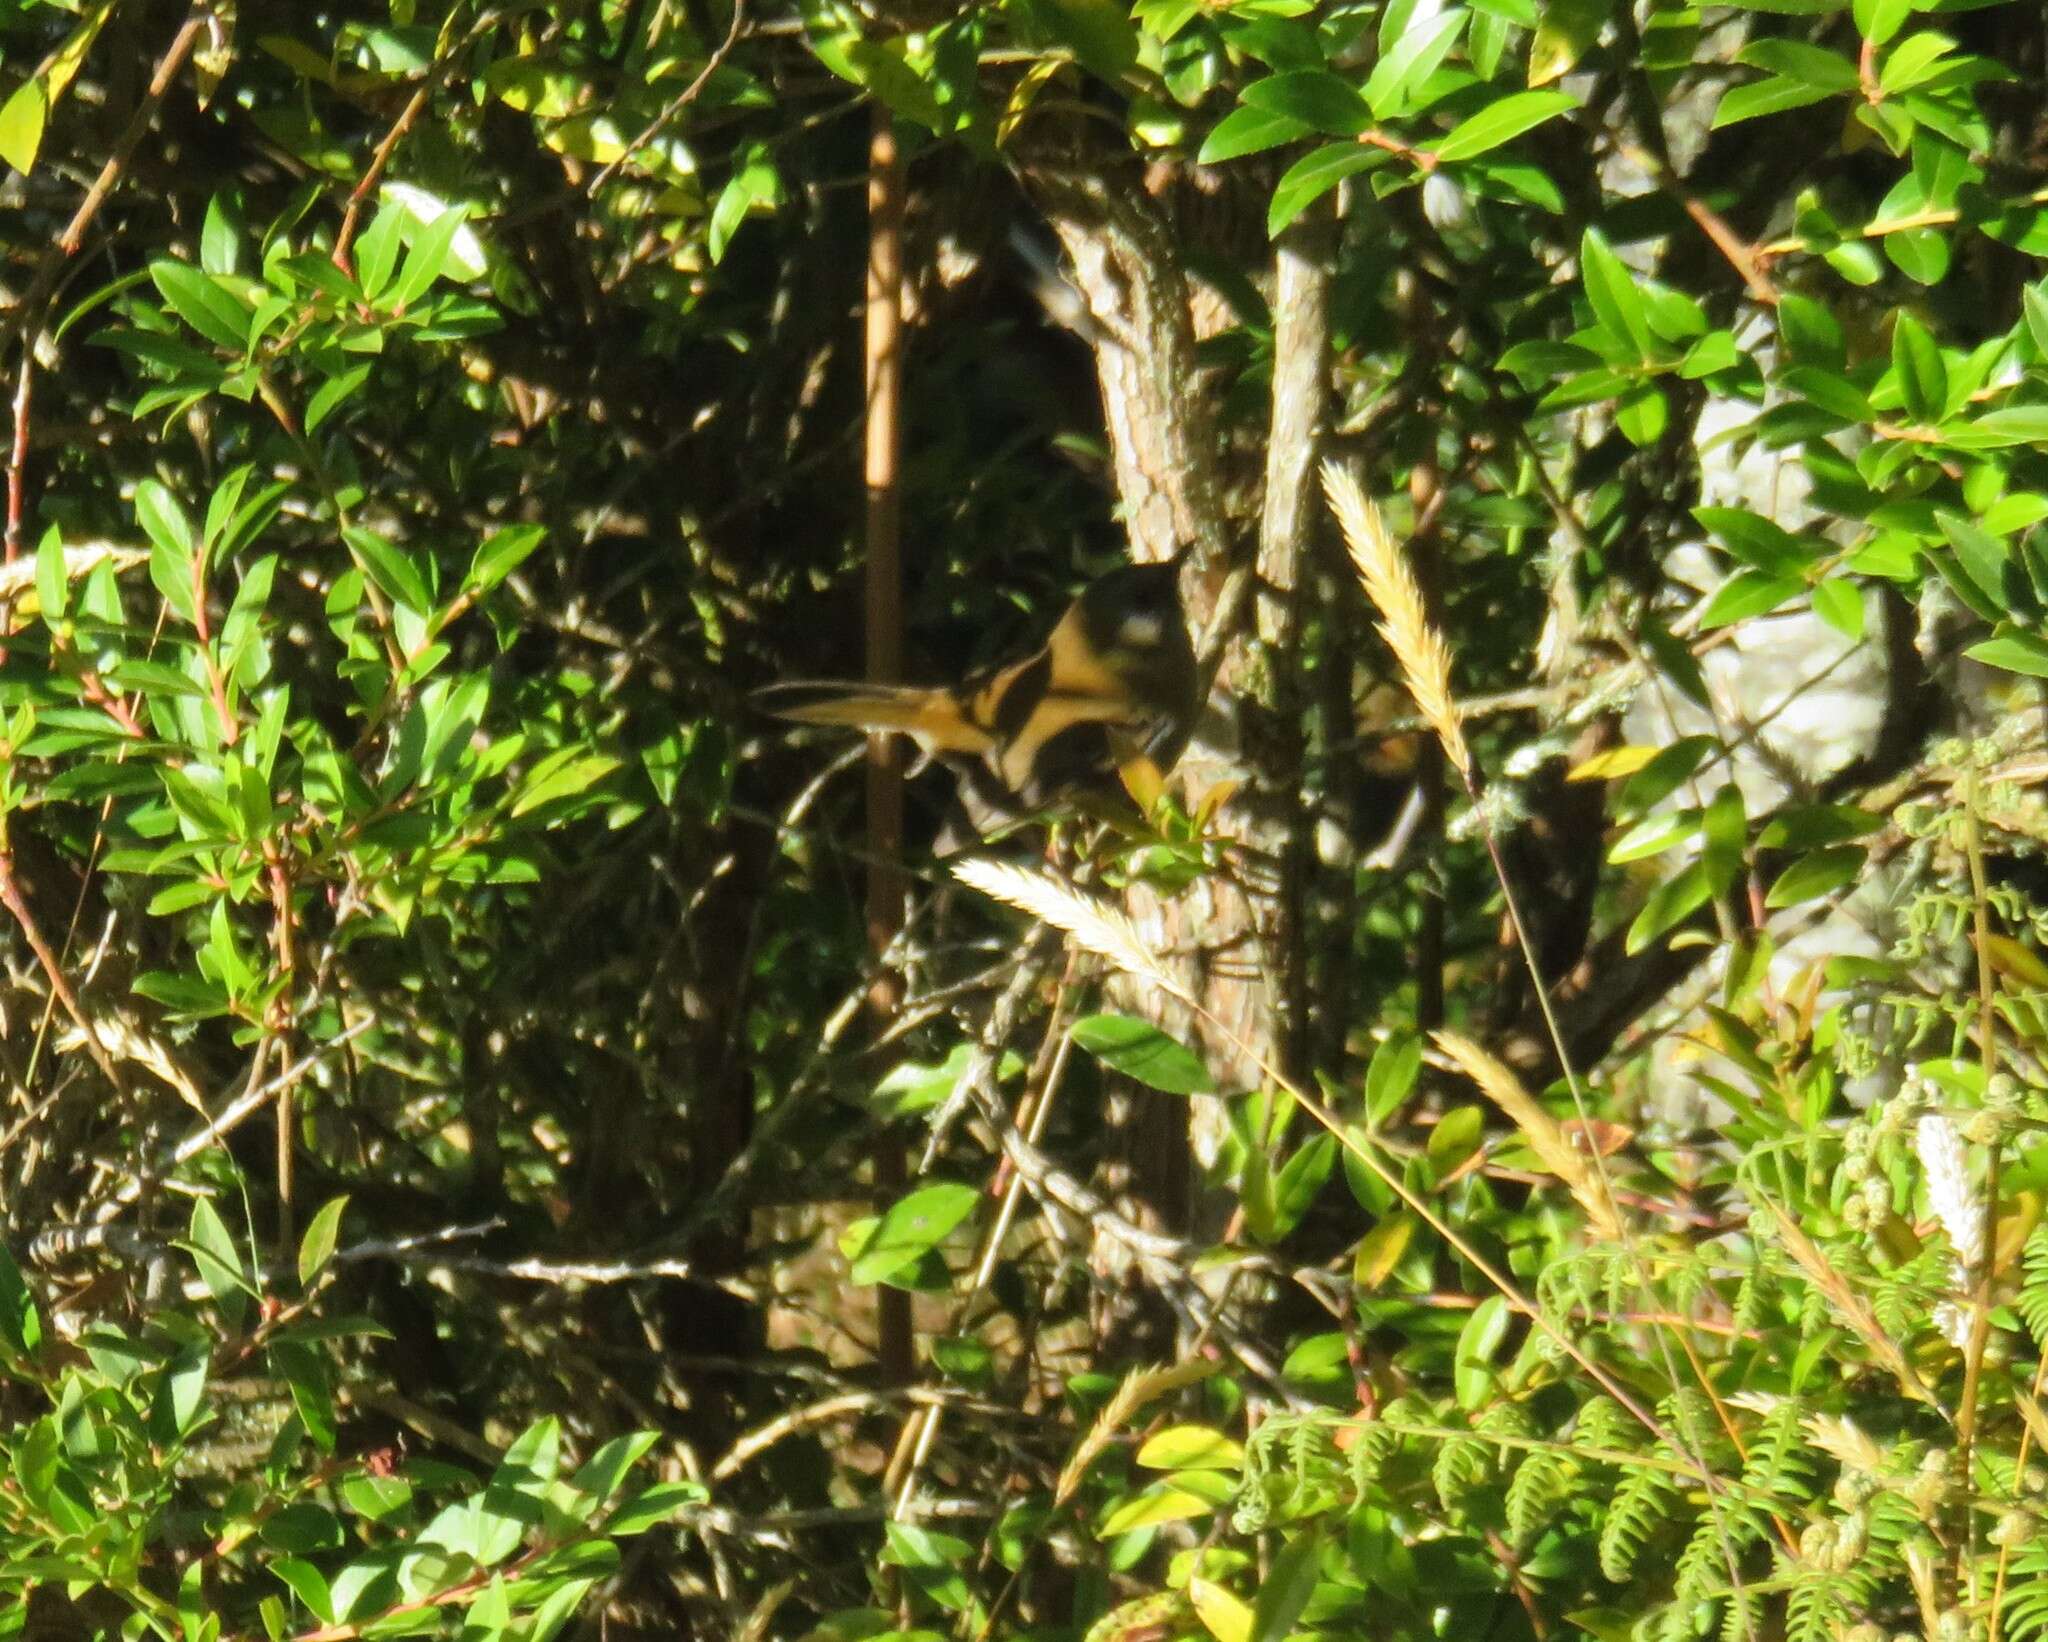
column 1546, row 1136
column 1391, row 585
column 1849, row 1304
column 1140, row 1386
column 1099, row 929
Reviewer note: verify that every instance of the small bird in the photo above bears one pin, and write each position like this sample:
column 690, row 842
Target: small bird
column 1111, row 693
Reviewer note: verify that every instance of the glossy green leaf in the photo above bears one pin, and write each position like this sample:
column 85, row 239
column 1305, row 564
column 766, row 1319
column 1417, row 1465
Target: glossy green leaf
column 1392, row 87
column 1140, row 1050
column 316, row 1248
column 1839, row 603
column 203, row 303
column 1285, row 1591
column 22, row 118
column 1747, row 593
column 2015, row 651
column 910, row 1228
column 1669, row 904
column 1611, row 288
column 1917, row 368
column 1391, row 1076
column 1249, row 130
column 1314, row 175
column 1761, row 97
column 1813, row 876
column 1315, row 97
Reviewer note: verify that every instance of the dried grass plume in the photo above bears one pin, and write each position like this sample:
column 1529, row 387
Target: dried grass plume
column 1546, row 1136
column 1390, row 584
column 1095, row 927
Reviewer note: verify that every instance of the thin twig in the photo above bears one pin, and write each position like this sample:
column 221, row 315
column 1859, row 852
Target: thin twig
column 677, row 104
column 12, row 898
column 25, row 312
column 415, row 105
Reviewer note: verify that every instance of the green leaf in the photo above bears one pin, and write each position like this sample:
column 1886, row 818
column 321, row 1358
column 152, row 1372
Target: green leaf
column 1155, row 1505
column 653, row 1506
column 1983, row 557
column 562, row 774
column 1815, row 875
column 1913, row 61
column 1398, row 76
column 1502, row 122
column 2015, row 651
column 203, row 303
column 1289, row 1583
column 21, row 1329
column 1298, row 1182
column 53, row 576
column 220, row 238
column 428, row 260
column 1249, row 130
column 1878, row 20
column 1313, row 96
column 1141, row 1051
column 755, row 182
column 2036, row 302
column 910, row 1228
column 1390, row 1079
column 1812, row 335
column 333, row 394
column 1670, row 903
column 1761, row 97
column 376, row 256
column 1642, row 414
column 214, row 1253
column 1663, row 775
column 316, row 1248
column 503, row 552
column 21, row 125
column 164, row 520
column 1723, row 832
column 1921, row 254
column 1804, row 826
column 1756, row 541
column 308, row 1584
column 1830, row 390
column 1994, row 430
column 602, row 1473
column 1314, row 175
column 1567, row 31
column 1916, row 366
column 1747, row 593
column 1653, row 835
column 1839, row 603
column 1795, row 60
column 396, row 573
column 1099, row 31
column 1479, row 1341
column 1611, row 288
column 1190, row 1447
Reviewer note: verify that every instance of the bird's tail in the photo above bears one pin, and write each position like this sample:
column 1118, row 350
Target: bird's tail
column 932, row 717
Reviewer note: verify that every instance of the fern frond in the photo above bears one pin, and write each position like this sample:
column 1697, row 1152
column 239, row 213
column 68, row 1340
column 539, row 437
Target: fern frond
column 1539, row 1489
column 1644, row 1502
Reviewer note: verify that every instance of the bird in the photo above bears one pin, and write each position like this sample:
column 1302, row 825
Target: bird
column 1112, row 693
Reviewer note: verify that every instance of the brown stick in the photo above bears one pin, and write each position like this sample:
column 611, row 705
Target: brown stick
column 17, row 450
column 1301, row 336
column 12, row 898
column 886, row 879
column 24, row 312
